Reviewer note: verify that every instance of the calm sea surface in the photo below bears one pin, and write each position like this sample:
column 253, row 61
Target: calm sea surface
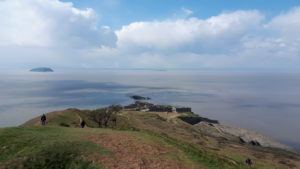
column 268, row 103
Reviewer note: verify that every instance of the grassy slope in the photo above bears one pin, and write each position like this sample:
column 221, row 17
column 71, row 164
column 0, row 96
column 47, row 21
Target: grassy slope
column 218, row 148
column 45, row 147
column 139, row 140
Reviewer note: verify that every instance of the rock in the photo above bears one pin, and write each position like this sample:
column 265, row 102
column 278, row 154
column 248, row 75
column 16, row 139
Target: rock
column 4, row 148
column 136, row 97
column 211, row 124
column 255, row 143
column 245, row 136
column 242, row 140
column 195, row 120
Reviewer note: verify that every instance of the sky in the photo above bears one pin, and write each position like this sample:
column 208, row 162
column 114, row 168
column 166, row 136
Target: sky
column 150, row 34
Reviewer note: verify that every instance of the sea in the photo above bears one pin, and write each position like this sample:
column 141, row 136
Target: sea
column 268, row 103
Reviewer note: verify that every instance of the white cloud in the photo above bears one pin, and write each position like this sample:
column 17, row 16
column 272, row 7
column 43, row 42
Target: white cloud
column 287, row 24
column 48, row 23
column 185, row 12
column 239, row 39
column 189, row 34
column 277, row 47
column 39, row 32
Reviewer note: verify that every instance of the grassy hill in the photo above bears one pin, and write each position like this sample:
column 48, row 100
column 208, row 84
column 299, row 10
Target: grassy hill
column 131, row 140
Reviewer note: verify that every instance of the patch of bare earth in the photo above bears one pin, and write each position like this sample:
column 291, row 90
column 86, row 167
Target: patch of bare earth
column 129, row 152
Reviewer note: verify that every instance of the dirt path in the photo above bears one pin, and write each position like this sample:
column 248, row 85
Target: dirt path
column 130, row 152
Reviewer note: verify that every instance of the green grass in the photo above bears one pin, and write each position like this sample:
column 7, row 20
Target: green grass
column 45, row 147
column 63, row 147
column 194, row 153
column 59, row 147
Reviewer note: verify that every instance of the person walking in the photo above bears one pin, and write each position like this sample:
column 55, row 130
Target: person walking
column 249, row 162
column 82, row 124
column 43, row 119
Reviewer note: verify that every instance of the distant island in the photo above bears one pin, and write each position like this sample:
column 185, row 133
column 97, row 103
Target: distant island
column 42, row 69
column 137, row 97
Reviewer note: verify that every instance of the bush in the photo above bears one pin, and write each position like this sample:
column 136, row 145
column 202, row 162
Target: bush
column 103, row 116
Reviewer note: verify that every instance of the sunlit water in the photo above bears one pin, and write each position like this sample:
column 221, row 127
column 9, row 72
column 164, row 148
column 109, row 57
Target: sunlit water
column 268, row 103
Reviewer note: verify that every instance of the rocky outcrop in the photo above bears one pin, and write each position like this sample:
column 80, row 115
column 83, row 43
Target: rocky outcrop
column 242, row 135
column 138, row 105
column 137, row 97
column 196, row 119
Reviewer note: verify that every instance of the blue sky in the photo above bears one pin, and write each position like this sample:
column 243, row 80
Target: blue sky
column 170, row 34
column 117, row 13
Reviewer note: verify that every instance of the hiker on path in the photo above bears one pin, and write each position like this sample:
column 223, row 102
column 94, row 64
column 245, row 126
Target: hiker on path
column 43, row 119
column 82, row 124
column 249, row 162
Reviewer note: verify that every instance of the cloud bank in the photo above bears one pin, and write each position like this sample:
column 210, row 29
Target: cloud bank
column 55, row 33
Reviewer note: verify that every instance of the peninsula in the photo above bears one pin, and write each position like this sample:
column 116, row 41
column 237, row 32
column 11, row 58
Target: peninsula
column 140, row 135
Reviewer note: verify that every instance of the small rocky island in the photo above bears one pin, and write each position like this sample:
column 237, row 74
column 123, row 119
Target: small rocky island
column 137, row 97
column 42, row 69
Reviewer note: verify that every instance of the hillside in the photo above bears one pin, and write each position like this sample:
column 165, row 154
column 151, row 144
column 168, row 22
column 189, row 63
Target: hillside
column 129, row 139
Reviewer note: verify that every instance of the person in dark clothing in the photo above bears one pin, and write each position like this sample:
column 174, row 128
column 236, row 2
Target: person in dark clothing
column 82, row 124
column 43, row 119
column 249, row 162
